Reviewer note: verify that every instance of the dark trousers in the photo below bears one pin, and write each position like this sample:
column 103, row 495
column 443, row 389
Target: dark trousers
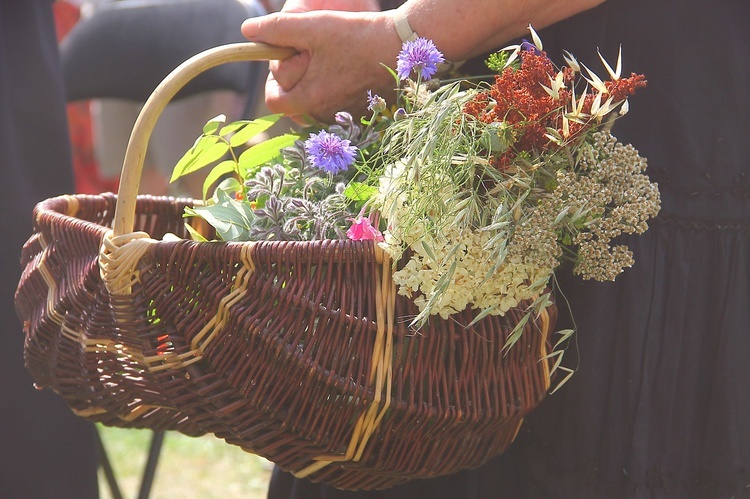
column 46, row 452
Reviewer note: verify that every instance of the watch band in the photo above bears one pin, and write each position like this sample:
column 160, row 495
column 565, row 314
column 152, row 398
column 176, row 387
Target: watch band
column 407, row 34
column 403, row 28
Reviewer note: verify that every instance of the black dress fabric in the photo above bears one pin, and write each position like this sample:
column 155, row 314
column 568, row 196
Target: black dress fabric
column 659, row 406
column 46, row 452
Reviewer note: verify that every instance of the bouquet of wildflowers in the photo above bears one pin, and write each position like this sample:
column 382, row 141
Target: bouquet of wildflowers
column 478, row 191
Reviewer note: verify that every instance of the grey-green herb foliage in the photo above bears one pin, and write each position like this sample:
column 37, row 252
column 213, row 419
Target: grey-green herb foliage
column 270, row 190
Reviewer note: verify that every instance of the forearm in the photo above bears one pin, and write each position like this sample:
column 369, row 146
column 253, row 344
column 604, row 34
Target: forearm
column 465, row 28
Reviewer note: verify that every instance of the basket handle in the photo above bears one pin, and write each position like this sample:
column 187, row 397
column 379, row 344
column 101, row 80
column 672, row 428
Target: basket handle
column 135, row 154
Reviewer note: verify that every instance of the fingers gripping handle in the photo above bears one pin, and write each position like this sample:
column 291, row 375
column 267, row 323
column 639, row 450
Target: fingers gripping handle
column 135, row 154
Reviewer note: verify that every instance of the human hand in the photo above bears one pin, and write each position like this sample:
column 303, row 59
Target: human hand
column 293, row 68
column 345, row 5
column 340, row 56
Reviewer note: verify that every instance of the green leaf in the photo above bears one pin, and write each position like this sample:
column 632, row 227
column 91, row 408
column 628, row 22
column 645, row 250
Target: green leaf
column 561, row 215
column 213, row 124
column 427, row 249
column 207, row 149
column 484, row 313
column 564, row 335
column 195, row 235
column 232, row 127
column 230, row 186
column 358, row 191
column 231, row 219
column 517, row 332
column 250, row 129
column 570, row 372
column 393, row 73
column 494, row 137
column 263, row 153
column 224, row 168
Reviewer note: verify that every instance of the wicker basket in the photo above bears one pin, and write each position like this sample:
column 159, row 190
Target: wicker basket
column 296, row 351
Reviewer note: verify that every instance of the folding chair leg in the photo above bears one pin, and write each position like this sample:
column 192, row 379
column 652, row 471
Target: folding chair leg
column 109, row 473
column 149, row 472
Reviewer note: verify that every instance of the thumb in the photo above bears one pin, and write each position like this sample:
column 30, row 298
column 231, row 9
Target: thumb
column 280, row 29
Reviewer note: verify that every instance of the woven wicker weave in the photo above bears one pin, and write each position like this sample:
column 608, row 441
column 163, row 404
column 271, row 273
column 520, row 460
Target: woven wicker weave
column 296, row 351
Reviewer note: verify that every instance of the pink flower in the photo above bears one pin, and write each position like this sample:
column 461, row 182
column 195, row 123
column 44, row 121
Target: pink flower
column 362, row 230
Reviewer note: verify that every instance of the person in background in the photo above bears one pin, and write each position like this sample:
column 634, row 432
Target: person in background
column 121, row 44
column 658, row 407
column 46, row 451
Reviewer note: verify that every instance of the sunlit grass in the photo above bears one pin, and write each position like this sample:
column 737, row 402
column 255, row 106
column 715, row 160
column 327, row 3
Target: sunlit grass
column 188, row 468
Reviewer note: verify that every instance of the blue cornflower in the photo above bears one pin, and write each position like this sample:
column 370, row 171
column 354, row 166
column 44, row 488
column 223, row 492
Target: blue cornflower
column 330, row 152
column 419, row 55
column 529, row 47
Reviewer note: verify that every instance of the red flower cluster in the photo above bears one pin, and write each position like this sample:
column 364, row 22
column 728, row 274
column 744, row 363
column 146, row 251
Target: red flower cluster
column 624, row 87
column 518, row 99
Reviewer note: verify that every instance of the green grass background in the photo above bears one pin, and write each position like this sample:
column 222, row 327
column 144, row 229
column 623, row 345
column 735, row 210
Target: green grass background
column 188, row 468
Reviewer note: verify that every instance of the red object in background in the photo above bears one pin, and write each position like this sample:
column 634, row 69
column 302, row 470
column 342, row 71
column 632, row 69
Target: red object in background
column 88, row 180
